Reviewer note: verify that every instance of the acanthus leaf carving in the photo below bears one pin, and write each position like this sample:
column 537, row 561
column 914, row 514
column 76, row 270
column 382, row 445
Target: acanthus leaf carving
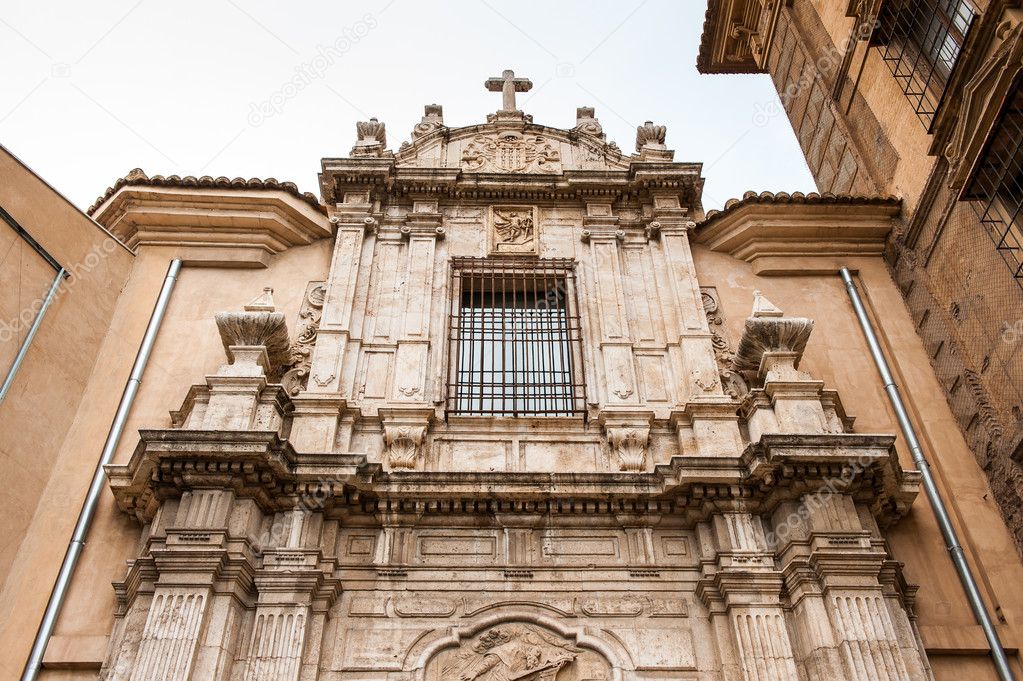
column 403, row 445
column 629, row 445
column 296, row 377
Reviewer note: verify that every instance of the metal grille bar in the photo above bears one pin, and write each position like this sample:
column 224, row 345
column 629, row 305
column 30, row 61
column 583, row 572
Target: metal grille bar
column 515, row 338
column 996, row 186
column 920, row 41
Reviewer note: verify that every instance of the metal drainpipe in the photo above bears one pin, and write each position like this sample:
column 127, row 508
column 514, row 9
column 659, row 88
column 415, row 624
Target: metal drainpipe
column 955, row 549
column 74, row 550
column 36, row 323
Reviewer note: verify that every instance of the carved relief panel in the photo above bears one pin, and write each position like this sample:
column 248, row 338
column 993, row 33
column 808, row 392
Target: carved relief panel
column 512, row 229
column 524, row 652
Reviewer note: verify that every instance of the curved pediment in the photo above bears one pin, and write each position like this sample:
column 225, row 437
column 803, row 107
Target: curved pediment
column 510, row 147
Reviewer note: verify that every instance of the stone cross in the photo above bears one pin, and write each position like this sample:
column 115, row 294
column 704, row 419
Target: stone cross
column 507, row 84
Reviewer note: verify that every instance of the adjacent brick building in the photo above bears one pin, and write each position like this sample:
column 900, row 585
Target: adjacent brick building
column 919, row 99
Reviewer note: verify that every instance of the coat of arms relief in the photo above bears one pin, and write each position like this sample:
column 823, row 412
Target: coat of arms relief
column 519, row 652
column 511, row 152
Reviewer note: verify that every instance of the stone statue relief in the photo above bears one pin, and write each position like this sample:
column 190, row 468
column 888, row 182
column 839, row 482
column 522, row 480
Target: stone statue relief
column 513, row 226
column 518, row 652
column 512, row 229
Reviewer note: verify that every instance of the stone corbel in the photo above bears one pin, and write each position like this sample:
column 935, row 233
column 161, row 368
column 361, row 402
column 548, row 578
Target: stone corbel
column 628, row 436
column 404, row 435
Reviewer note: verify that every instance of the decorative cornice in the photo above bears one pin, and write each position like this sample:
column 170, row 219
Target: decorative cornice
column 230, row 223
column 719, row 33
column 768, row 229
column 261, row 466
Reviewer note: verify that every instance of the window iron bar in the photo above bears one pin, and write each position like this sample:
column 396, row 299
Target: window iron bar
column 920, row 42
column 512, row 330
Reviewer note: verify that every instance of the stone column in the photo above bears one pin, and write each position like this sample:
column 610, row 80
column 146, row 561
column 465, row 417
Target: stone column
column 295, row 589
column 202, row 576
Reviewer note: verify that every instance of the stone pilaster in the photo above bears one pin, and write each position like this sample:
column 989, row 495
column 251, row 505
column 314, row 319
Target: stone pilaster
column 740, row 586
column 295, row 590
column 844, row 623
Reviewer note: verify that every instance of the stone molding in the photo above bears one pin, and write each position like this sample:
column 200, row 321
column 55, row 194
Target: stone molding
column 811, row 236
column 211, row 225
column 263, row 467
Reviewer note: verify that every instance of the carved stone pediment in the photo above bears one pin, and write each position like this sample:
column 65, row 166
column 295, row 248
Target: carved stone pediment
column 515, row 147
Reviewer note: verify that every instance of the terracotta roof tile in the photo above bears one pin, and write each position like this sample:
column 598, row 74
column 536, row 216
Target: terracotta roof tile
column 139, row 177
column 750, row 198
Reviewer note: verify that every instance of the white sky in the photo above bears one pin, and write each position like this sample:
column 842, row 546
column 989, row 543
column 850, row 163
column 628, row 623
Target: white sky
column 94, row 89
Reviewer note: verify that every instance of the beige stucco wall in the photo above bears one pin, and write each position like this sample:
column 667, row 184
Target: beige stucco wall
column 40, row 409
column 187, row 348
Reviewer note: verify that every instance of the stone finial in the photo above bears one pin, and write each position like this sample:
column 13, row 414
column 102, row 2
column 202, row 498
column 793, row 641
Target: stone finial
column 586, row 121
column 650, row 136
column 372, row 138
column 256, row 339
column 264, row 302
column 770, row 343
column 433, row 119
column 762, row 307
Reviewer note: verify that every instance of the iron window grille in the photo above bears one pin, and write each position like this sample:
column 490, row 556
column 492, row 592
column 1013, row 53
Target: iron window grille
column 996, row 184
column 515, row 338
column 920, row 41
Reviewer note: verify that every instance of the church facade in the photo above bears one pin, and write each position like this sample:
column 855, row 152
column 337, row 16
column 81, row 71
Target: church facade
column 507, row 403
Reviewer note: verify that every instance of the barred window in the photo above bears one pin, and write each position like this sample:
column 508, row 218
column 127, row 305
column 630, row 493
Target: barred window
column 996, row 185
column 920, row 41
column 515, row 339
